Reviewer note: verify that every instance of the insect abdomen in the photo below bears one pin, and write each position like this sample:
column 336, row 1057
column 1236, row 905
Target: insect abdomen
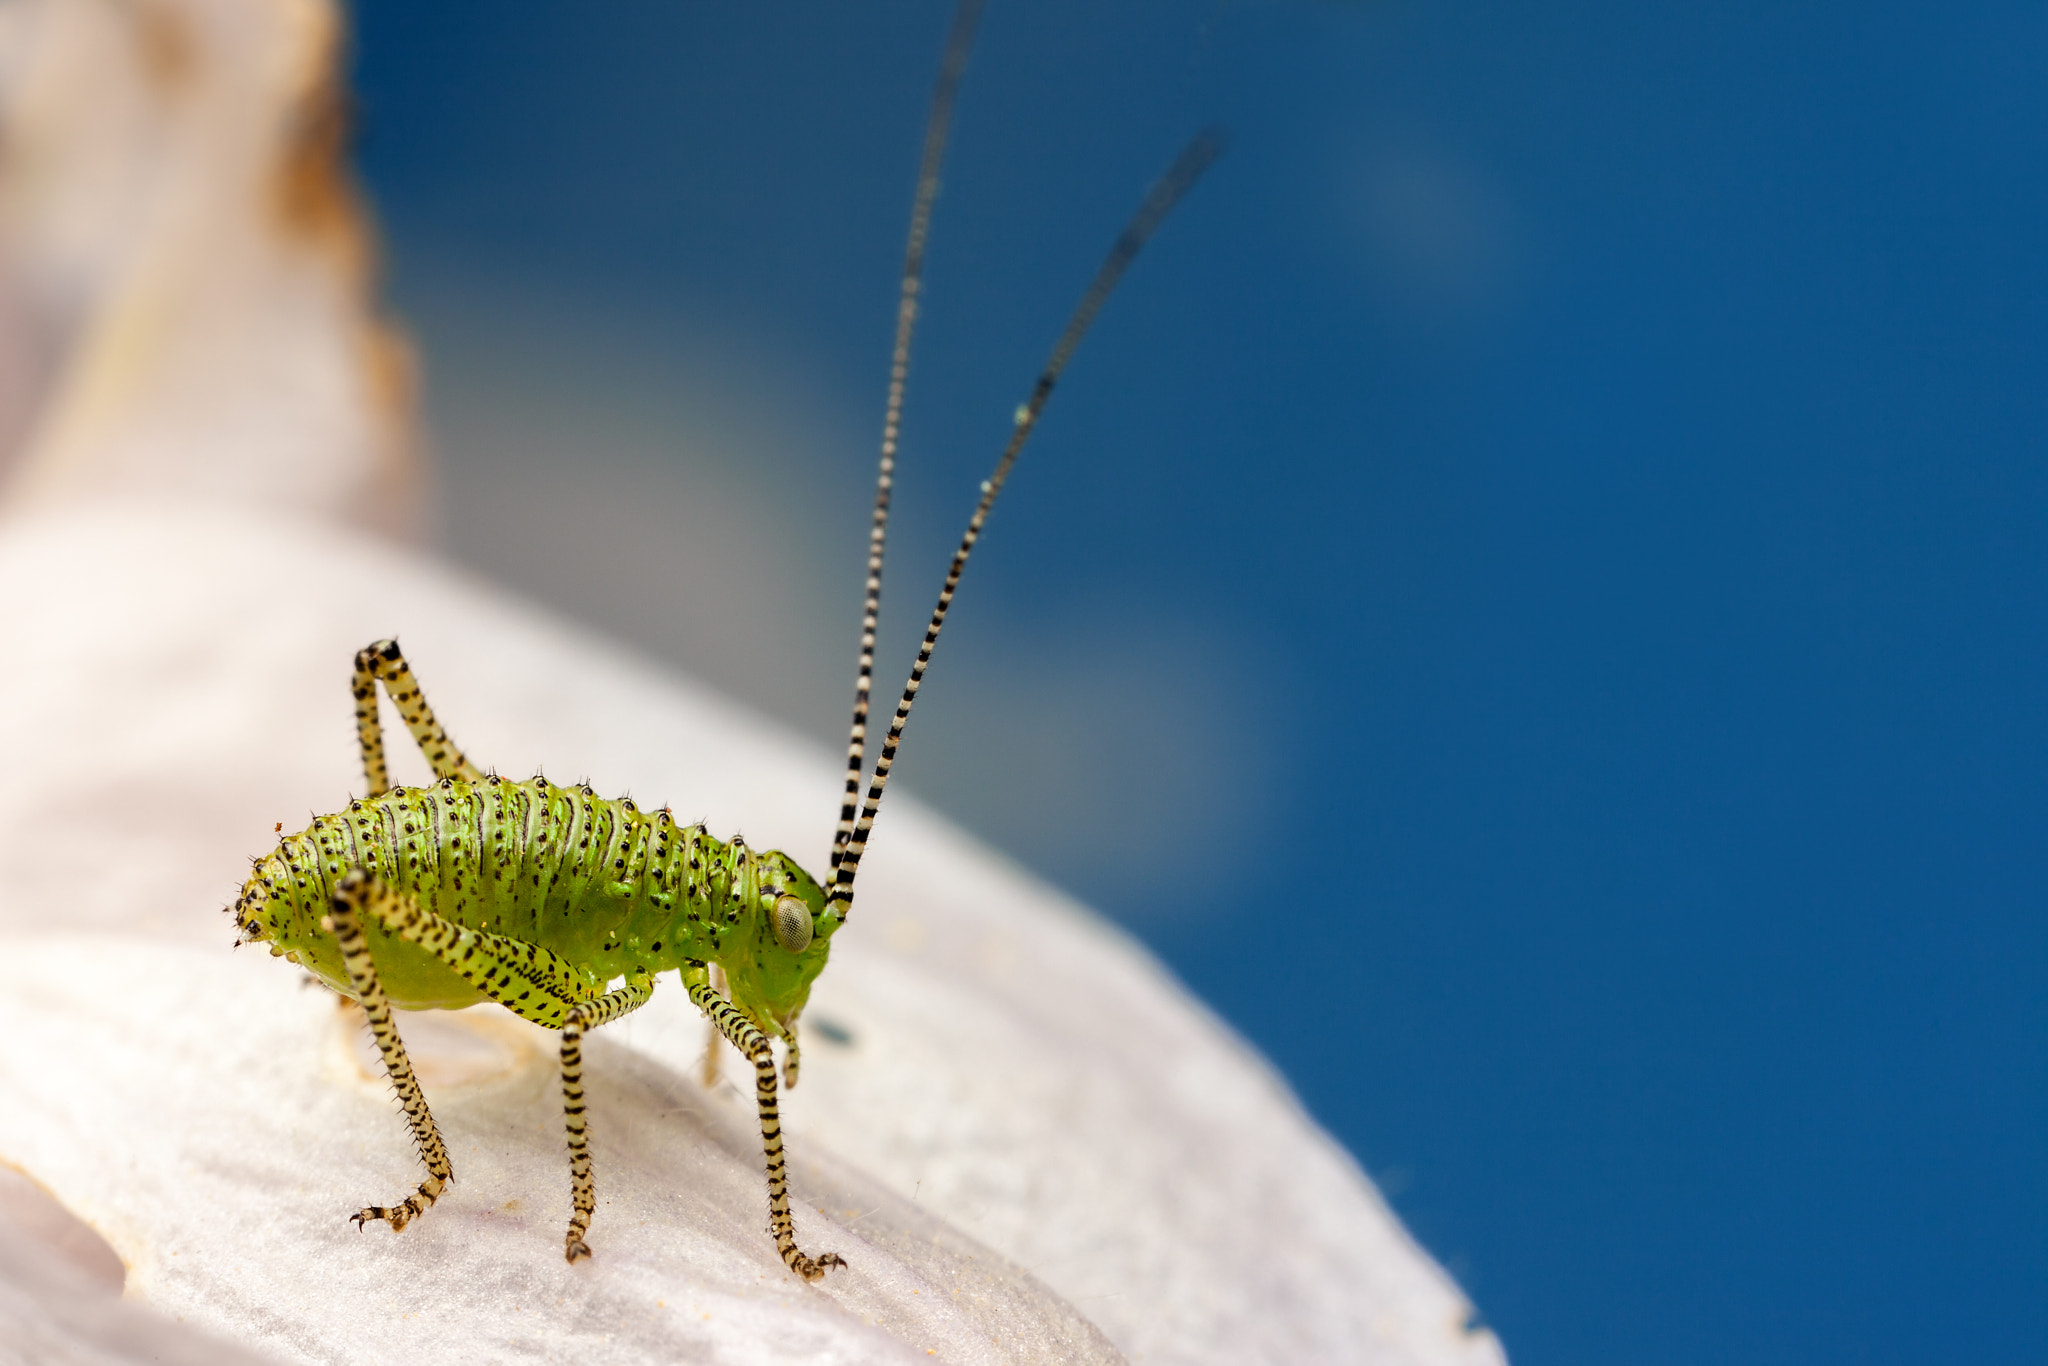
column 595, row 880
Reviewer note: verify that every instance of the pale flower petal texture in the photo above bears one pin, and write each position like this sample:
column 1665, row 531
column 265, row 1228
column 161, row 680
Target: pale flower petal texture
column 1028, row 1142
column 1011, row 1123
column 184, row 265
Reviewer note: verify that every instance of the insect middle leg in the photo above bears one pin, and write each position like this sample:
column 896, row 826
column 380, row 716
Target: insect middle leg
column 538, row 985
column 712, row 1038
column 530, row 980
column 344, row 920
column 753, row 1044
column 383, row 663
column 588, row 1015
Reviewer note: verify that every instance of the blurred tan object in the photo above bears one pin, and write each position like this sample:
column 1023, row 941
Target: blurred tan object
column 186, row 265
column 1030, row 1144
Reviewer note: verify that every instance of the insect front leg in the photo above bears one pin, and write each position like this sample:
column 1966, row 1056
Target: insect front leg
column 588, row 1015
column 382, row 662
column 753, row 1044
column 344, row 920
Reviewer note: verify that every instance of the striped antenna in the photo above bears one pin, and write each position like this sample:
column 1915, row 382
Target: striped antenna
column 1194, row 159
column 965, row 18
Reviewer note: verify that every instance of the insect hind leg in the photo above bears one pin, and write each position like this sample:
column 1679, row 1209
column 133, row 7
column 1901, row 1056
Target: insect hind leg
column 344, row 920
column 532, row 982
column 382, row 662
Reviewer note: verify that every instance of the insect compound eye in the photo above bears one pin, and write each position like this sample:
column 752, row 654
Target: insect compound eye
column 792, row 924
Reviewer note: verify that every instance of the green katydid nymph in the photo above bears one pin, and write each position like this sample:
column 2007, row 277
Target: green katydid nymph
column 564, row 906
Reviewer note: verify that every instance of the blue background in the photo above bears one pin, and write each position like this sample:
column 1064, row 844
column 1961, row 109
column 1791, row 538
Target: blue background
column 1590, row 460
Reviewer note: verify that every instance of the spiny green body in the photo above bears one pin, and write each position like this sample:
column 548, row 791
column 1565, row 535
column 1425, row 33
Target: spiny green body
column 563, row 906
column 540, row 898
column 603, row 886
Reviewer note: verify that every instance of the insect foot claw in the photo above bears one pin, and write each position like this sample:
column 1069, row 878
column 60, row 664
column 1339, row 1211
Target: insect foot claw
column 815, row 1270
column 576, row 1250
column 398, row 1216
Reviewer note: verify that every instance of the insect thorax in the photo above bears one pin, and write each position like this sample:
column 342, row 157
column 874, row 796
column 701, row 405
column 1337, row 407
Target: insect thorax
column 609, row 888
